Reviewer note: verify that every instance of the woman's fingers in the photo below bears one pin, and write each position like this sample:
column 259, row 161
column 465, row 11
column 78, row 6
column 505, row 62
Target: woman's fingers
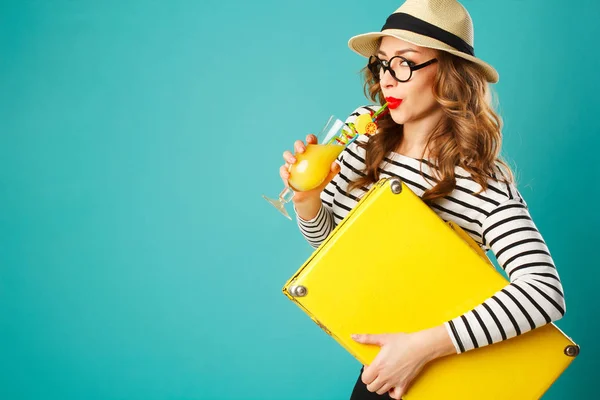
column 299, row 146
column 312, row 139
column 376, row 385
column 284, row 174
column 396, row 393
column 384, row 389
column 289, row 157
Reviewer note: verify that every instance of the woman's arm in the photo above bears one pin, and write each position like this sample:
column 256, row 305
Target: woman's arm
column 315, row 219
column 315, row 230
column 534, row 296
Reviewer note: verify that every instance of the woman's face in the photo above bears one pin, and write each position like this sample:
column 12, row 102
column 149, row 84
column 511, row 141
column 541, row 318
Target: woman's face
column 416, row 95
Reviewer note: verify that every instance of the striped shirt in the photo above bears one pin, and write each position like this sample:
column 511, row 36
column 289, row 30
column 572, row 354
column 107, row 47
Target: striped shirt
column 497, row 219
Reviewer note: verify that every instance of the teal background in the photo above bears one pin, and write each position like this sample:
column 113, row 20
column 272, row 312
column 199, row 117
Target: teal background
column 137, row 257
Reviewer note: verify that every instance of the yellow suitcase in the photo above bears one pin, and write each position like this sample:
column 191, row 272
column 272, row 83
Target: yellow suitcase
column 393, row 265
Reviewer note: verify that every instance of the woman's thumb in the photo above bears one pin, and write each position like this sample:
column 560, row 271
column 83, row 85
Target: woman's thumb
column 335, row 169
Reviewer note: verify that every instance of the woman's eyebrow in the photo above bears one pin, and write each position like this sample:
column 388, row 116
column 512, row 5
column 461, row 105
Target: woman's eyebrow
column 399, row 52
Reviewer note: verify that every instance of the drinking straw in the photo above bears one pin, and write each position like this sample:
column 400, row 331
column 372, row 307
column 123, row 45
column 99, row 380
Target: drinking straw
column 382, row 109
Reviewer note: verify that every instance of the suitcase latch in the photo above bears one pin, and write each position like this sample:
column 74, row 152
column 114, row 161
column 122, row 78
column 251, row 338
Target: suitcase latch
column 396, row 185
column 298, row 291
column 572, row 351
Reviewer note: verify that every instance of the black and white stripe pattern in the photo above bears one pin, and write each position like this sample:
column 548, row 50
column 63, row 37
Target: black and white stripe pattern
column 497, row 219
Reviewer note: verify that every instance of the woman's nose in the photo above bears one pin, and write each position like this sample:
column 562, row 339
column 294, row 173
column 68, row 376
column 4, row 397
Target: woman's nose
column 387, row 80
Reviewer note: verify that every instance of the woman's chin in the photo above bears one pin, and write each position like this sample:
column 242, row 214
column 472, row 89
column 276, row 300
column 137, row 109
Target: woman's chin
column 397, row 116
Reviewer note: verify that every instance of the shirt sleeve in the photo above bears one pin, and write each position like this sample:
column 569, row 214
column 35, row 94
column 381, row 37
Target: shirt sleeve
column 534, row 297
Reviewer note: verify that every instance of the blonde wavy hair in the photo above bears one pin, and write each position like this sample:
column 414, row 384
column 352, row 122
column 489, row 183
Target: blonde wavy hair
column 468, row 135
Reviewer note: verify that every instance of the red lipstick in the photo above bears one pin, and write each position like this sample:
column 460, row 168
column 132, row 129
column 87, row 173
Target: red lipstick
column 393, row 102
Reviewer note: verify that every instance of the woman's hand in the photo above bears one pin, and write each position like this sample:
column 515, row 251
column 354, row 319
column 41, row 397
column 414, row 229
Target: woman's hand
column 402, row 357
column 314, row 194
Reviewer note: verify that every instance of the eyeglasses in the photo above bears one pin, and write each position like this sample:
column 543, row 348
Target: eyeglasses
column 399, row 67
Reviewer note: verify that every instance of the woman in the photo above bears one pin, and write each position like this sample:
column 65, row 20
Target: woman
column 442, row 138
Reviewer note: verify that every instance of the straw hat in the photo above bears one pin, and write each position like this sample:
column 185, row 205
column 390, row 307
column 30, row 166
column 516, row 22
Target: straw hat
column 437, row 24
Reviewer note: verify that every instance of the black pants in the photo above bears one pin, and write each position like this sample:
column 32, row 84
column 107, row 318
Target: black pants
column 360, row 391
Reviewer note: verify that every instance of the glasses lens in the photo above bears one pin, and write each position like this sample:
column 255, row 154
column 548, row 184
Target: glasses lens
column 374, row 66
column 401, row 68
column 398, row 67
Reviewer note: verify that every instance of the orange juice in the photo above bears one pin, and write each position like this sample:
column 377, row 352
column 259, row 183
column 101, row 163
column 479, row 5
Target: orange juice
column 312, row 167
